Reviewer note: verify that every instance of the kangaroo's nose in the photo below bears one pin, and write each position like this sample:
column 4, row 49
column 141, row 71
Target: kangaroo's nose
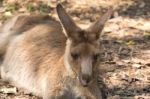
column 85, row 80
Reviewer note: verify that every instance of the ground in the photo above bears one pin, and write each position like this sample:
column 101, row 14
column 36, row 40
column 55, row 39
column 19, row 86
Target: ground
column 125, row 65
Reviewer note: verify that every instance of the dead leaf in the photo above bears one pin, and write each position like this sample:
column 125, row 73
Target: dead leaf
column 12, row 90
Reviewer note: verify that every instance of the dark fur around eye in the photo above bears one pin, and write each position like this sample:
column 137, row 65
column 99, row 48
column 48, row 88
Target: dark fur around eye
column 75, row 55
column 96, row 56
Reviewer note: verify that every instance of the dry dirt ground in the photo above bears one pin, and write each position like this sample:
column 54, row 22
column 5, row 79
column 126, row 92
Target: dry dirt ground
column 125, row 62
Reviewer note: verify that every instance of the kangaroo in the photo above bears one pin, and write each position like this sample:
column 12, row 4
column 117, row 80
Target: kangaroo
column 17, row 25
column 52, row 64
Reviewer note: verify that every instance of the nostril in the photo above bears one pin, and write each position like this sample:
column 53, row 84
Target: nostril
column 86, row 78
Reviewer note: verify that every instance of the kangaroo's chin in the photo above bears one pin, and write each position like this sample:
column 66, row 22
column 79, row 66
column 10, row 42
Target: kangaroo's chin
column 82, row 82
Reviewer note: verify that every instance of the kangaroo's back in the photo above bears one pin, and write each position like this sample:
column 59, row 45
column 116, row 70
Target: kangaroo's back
column 18, row 25
column 46, row 34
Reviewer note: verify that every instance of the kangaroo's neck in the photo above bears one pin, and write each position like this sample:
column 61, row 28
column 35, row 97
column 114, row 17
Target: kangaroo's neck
column 67, row 58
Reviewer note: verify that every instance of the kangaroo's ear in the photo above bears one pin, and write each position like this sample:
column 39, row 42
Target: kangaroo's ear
column 69, row 25
column 97, row 27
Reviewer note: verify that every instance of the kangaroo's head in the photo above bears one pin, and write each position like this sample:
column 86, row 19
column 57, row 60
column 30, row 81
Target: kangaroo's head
column 83, row 48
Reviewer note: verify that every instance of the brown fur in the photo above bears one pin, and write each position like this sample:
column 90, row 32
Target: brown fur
column 43, row 60
column 17, row 25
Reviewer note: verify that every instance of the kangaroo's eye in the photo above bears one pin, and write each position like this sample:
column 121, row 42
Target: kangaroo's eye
column 75, row 56
column 96, row 56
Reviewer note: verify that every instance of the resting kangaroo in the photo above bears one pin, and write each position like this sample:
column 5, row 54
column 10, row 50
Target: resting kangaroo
column 49, row 63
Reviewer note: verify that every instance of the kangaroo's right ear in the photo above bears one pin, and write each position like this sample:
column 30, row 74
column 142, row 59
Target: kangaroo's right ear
column 69, row 25
column 98, row 26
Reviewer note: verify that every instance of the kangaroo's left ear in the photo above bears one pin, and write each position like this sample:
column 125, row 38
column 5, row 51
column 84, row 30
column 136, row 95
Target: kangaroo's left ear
column 98, row 26
column 69, row 25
